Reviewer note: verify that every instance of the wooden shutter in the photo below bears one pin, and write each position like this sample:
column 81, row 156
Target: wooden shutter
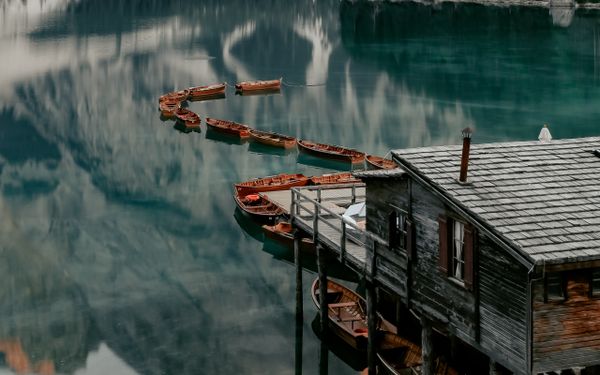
column 410, row 238
column 469, row 252
column 443, row 255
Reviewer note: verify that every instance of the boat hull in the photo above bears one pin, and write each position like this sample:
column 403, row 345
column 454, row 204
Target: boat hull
column 201, row 92
column 282, row 234
column 317, row 149
column 263, row 210
column 353, row 333
column 179, row 96
column 274, row 84
column 168, row 108
column 376, row 162
column 228, row 127
column 336, row 178
column 188, row 118
column 272, row 139
column 279, row 182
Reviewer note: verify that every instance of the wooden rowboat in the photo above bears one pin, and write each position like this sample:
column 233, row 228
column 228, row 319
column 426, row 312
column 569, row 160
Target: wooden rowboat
column 272, row 139
column 274, row 84
column 178, row 96
column 399, row 356
column 188, row 118
column 377, row 162
column 228, row 127
column 168, row 107
column 331, row 151
column 282, row 181
column 258, row 207
column 199, row 92
column 334, row 178
column 347, row 314
column 282, row 232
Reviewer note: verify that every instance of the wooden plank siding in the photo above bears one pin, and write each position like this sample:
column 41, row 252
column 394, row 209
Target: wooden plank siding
column 566, row 333
column 493, row 316
column 503, row 305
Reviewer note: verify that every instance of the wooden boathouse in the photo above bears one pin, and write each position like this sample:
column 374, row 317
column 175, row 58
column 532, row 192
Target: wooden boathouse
column 495, row 246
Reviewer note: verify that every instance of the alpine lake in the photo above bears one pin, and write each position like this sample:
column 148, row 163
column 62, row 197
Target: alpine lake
column 121, row 249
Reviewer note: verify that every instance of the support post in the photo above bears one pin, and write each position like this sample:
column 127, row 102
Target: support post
column 316, row 223
column 494, row 368
column 372, row 327
column 428, row 357
column 323, row 303
column 299, row 303
column 343, row 242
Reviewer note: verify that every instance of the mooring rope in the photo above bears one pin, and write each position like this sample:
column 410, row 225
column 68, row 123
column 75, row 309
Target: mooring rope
column 290, row 84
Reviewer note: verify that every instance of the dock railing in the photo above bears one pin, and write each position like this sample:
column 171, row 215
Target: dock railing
column 320, row 208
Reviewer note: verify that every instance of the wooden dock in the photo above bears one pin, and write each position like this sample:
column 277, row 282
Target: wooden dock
column 317, row 210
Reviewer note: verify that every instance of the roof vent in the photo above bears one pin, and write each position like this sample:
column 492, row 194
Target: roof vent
column 545, row 135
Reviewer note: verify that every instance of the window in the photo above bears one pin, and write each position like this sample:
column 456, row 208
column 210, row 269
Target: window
column 401, row 231
column 458, row 254
column 398, row 229
column 595, row 283
column 555, row 287
column 457, row 250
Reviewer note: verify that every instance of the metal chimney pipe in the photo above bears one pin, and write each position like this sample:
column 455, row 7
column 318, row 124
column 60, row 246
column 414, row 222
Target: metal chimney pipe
column 464, row 160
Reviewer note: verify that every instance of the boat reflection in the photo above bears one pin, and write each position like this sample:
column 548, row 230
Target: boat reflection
column 249, row 226
column 322, row 163
column 259, row 148
column 186, row 130
column 224, row 137
column 259, row 92
column 208, row 97
column 19, row 361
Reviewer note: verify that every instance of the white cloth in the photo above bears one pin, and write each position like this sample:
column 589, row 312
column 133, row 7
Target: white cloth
column 545, row 135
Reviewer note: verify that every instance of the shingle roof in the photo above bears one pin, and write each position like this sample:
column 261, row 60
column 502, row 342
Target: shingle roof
column 542, row 197
column 380, row 173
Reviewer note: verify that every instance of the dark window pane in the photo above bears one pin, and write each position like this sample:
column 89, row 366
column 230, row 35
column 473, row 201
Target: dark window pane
column 554, row 287
column 596, row 283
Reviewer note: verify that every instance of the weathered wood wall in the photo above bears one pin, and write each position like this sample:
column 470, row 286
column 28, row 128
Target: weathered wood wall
column 503, row 305
column 492, row 317
column 566, row 333
column 391, row 265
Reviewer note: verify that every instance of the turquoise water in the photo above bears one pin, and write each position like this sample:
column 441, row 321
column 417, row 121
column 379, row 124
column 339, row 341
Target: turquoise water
column 121, row 251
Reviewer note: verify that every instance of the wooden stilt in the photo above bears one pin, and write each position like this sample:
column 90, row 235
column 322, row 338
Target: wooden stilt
column 427, row 348
column 299, row 303
column 322, row 265
column 372, row 326
column 323, row 359
column 494, row 368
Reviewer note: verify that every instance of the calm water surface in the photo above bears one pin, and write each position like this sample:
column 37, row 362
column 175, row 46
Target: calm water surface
column 120, row 249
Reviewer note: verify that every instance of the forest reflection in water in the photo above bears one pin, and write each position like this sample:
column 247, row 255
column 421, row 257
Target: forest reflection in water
column 118, row 239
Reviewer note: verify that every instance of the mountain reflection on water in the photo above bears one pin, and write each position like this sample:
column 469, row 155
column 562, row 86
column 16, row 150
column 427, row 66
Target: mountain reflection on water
column 119, row 249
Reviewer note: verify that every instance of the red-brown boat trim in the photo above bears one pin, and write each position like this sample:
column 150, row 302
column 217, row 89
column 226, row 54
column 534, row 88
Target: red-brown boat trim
column 282, row 181
column 272, row 139
column 198, row 92
column 378, row 162
column 187, row 118
column 331, row 151
column 258, row 207
column 258, row 85
column 347, row 314
column 168, row 107
column 179, row 96
column 334, row 178
column 229, row 127
column 282, row 233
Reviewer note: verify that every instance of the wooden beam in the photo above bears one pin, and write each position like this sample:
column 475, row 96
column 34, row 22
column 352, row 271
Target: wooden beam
column 323, row 303
column 428, row 356
column 299, row 304
column 372, row 327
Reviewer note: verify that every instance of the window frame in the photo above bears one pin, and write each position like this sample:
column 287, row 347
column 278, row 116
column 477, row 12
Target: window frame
column 594, row 292
column 455, row 260
column 562, row 282
column 398, row 237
